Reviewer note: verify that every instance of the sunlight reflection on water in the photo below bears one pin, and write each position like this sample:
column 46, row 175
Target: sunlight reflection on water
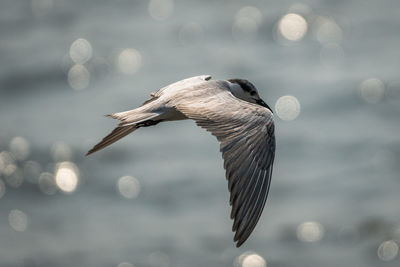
column 161, row 9
column 18, row 220
column 326, row 30
column 80, row 51
column 67, row 177
column 388, row 250
column 292, row 27
column 19, row 147
column 78, row 77
column 372, row 90
column 287, row 107
column 249, row 259
column 128, row 186
column 129, row 61
column 7, row 161
column 246, row 24
column 14, row 176
column 310, row 232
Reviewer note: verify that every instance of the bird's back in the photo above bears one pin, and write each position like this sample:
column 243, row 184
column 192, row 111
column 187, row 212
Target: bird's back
column 183, row 84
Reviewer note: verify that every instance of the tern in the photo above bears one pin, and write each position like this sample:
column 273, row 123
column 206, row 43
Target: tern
column 235, row 114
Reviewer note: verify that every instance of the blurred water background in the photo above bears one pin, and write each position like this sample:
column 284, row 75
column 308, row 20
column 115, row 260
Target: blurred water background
column 159, row 197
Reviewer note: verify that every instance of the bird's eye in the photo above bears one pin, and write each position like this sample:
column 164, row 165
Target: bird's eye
column 252, row 93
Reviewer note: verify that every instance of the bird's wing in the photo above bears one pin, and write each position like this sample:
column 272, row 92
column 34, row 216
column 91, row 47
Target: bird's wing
column 247, row 142
column 185, row 83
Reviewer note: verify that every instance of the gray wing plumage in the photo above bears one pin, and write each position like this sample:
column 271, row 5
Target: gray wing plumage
column 247, row 142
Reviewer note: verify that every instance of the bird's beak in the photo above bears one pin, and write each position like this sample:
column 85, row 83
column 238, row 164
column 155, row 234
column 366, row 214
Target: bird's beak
column 262, row 103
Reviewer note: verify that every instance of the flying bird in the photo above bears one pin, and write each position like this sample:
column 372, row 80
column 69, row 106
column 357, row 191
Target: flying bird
column 235, row 114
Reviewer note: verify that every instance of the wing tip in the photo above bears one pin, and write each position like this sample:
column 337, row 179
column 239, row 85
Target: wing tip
column 238, row 244
column 239, row 241
column 92, row 150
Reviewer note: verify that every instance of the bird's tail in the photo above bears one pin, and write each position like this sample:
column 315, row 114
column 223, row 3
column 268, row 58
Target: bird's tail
column 129, row 123
column 114, row 136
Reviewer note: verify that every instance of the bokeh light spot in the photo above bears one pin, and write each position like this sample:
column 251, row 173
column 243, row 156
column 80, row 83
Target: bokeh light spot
column 129, row 61
column 128, row 187
column 18, row 220
column 245, row 29
column 254, row 260
column 6, row 160
column 47, row 184
column 326, row 30
column 14, row 176
column 19, row 147
column 80, row 51
column 9, row 169
column 287, row 107
column 67, row 177
column 292, row 27
column 388, row 250
column 372, row 90
column 78, row 77
column 250, row 12
column 246, row 24
column 249, row 259
column 310, row 232
column 161, row 9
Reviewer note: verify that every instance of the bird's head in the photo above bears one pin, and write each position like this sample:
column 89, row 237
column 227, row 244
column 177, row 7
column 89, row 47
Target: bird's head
column 246, row 91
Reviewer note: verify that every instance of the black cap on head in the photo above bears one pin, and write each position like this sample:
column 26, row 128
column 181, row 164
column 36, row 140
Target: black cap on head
column 246, row 85
column 251, row 89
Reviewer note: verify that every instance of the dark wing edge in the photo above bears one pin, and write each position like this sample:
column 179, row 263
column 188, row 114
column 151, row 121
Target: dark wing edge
column 247, row 143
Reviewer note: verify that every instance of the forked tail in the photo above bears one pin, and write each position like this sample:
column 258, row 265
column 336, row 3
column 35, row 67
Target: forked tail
column 115, row 135
column 128, row 124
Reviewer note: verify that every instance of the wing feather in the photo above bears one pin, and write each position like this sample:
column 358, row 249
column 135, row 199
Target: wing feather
column 246, row 135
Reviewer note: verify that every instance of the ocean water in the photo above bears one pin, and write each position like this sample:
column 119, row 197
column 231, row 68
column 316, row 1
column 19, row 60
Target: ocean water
column 334, row 198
